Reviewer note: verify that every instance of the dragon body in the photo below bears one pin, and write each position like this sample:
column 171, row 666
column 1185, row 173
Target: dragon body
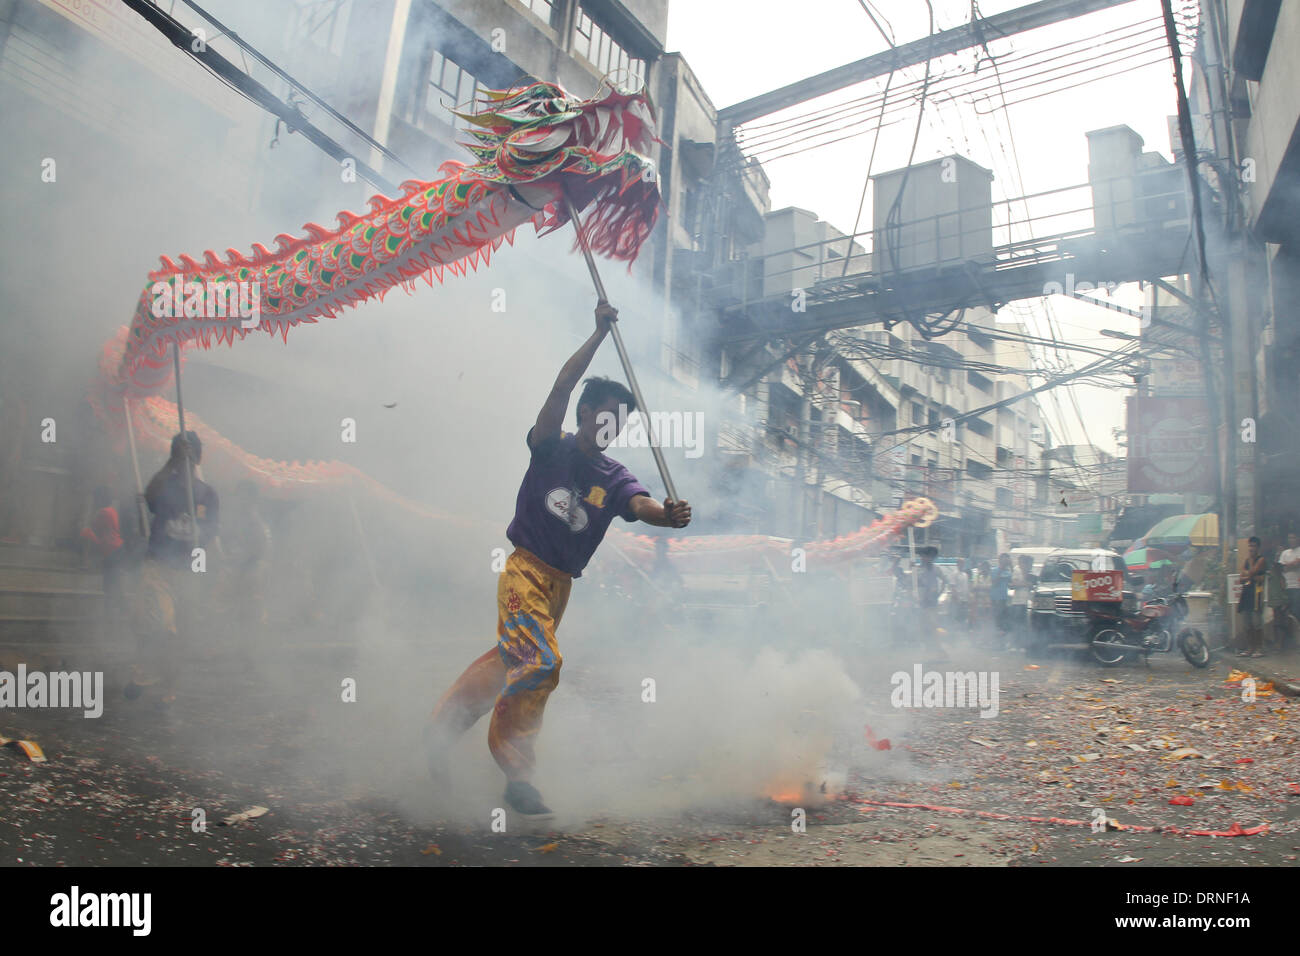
column 531, row 145
column 756, row 552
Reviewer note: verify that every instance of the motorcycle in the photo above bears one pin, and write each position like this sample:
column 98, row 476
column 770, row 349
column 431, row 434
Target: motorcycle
column 1156, row 628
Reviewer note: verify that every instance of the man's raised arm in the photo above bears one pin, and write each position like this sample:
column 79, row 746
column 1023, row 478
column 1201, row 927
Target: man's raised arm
column 551, row 417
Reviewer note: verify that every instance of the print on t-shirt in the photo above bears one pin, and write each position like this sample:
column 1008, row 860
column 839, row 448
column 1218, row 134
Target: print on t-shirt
column 564, row 504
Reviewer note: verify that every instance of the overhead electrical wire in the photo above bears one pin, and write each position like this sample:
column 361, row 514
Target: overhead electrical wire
column 741, row 159
column 893, row 219
column 757, row 139
column 866, row 182
column 791, row 142
column 1020, row 186
column 971, row 80
column 1119, row 358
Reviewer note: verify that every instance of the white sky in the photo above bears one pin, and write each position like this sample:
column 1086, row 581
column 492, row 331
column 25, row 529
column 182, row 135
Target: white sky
column 740, row 48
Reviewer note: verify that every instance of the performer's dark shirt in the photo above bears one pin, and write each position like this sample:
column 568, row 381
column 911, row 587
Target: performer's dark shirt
column 928, row 585
column 566, row 502
column 170, row 540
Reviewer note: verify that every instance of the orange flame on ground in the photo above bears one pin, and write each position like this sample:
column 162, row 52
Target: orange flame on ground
column 811, row 793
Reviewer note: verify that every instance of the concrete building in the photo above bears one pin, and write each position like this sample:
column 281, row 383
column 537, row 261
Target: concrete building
column 1247, row 100
column 1168, row 402
column 1092, row 485
column 865, row 417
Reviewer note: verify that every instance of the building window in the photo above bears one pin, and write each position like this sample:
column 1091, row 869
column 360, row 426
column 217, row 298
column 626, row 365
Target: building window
column 690, row 210
column 321, row 23
column 597, row 47
column 542, row 8
column 918, row 414
column 450, row 86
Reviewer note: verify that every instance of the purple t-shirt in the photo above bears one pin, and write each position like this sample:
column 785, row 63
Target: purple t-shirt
column 566, row 502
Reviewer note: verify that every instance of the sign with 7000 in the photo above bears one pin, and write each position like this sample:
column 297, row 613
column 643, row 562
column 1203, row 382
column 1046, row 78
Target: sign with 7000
column 1097, row 586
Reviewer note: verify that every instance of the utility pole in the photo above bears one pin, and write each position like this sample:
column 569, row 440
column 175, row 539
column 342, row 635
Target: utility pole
column 1240, row 303
column 803, row 452
column 1221, row 133
column 1223, row 417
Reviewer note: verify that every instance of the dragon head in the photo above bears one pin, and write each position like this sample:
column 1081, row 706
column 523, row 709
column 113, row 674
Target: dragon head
column 597, row 150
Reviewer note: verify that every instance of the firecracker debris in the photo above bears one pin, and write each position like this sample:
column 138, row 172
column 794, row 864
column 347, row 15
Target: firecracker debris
column 1081, row 766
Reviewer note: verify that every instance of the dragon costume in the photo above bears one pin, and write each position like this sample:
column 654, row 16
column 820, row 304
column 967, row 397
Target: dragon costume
column 531, row 146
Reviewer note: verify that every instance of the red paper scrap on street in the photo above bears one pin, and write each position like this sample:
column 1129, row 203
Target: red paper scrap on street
column 877, row 744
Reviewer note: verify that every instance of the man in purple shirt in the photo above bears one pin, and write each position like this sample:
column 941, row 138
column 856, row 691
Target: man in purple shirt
column 569, row 495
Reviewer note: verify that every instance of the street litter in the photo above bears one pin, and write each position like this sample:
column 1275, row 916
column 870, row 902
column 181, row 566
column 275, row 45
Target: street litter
column 29, row 747
column 252, row 813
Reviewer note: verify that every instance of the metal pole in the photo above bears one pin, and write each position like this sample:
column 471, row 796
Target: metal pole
column 911, row 548
column 622, row 352
column 141, row 508
column 361, row 537
column 185, row 445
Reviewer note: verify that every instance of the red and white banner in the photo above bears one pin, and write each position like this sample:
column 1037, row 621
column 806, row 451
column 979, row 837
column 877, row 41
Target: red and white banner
column 1169, row 446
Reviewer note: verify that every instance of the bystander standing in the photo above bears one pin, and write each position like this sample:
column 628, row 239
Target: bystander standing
column 104, row 535
column 1250, row 606
column 1023, row 580
column 1290, row 561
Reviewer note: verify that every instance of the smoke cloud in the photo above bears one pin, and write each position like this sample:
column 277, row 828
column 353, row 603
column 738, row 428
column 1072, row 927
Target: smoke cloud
column 442, row 387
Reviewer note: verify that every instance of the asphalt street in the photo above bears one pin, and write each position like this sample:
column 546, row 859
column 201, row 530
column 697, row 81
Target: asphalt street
column 1080, row 765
